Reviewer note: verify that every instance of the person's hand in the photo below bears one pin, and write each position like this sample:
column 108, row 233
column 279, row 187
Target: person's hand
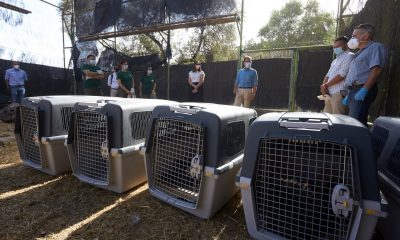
column 153, row 93
column 324, row 89
column 361, row 94
column 100, row 72
column 234, row 91
column 195, row 90
column 345, row 101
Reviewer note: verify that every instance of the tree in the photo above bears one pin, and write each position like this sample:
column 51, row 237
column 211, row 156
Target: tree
column 296, row 25
column 209, row 44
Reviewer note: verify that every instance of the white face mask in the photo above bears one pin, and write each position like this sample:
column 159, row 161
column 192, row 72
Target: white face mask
column 16, row 66
column 92, row 62
column 124, row 67
column 149, row 72
column 354, row 43
column 247, row 64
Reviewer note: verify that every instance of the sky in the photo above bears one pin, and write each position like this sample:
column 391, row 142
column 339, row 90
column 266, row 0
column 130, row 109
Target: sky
column 40, row 33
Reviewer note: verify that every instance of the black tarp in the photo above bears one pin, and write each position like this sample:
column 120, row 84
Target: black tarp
column 313, row 67
column 106, row 14
column 94, row 17
column 273, row 92
column 42, row 80
column 109, row 58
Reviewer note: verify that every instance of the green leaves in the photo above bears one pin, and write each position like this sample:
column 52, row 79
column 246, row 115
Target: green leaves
column 298, row 25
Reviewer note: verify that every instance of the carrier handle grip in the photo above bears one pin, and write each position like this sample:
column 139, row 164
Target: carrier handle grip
column 307, row 123
column 184, row 109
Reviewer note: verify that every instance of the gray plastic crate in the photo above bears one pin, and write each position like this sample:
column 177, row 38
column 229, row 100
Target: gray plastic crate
column 310, row 176
column 104, row 139
column 193, row 152
column 386, row 138
column 41, row 128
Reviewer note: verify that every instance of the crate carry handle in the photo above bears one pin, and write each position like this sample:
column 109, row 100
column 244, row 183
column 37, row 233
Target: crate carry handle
column 306, row 123
column 185, row 109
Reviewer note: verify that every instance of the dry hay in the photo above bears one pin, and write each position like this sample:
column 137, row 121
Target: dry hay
column 36, row 205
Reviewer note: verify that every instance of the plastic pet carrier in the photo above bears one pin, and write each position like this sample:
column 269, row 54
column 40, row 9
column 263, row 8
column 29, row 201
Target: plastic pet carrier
column 386, row 137
column 41, row 127
column 310, row 176
column 193, row 152
column 104, row 139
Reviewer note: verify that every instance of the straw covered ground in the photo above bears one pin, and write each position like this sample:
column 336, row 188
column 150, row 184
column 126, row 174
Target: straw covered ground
column 34, row 205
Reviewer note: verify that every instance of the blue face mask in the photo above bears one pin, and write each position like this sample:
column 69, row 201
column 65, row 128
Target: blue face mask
column 338, row 51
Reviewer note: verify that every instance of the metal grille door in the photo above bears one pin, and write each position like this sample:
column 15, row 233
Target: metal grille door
column 30, row 135
column 293, row 185
column 91, row 145
column 177, row 159
column 65, row 115
column 139, row 123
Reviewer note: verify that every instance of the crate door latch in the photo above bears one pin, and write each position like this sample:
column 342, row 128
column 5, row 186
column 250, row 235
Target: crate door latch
column 342, row 204
column 196, row 167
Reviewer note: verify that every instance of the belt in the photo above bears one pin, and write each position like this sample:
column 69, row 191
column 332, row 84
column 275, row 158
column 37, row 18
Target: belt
column 246, row 87
column 17, row 85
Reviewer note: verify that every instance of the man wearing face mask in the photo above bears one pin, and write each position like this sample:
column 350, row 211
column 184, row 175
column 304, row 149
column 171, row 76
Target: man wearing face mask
column 246, row 84
column 367, row 66
column 93, row 77
column 15, row 80
column 334, row 80
column 148, row 84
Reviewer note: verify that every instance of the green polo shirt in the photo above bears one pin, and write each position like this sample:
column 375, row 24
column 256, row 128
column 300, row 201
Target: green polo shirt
column 147, row 83
column 91, row 83
column 126, row 79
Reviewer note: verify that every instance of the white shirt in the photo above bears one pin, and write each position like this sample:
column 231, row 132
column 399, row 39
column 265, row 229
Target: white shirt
column 112, row 81
column 340, row 66
column 196, row 76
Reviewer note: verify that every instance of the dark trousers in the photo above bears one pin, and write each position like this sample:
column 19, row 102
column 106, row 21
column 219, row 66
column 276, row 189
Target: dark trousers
column 196, row 97
column 17, row 93
column 359, row 109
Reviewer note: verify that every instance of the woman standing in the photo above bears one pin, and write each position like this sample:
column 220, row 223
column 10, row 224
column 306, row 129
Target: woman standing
column 112, row 82
column 125, row 81
column 196, row 81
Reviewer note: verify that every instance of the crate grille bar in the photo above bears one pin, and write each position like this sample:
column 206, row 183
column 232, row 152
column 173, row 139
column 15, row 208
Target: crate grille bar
column 294, row 180
column 30, row 135
column 91, row 145
column 65, row 115
column 176, row 143
column 139, row 122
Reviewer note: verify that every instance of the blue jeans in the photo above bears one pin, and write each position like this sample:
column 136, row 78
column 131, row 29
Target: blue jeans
column 359, row 109
column 17, row 93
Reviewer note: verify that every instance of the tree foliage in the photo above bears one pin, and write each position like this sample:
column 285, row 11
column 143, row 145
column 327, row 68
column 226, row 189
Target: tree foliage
column 209, row 44
column 295, row 25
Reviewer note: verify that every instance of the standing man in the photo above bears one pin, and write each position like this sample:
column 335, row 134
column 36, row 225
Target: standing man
column 148, row 84
column 367, row 66
column 15, row 80
column 93, row 77
column 246, row 84
column 334, row 80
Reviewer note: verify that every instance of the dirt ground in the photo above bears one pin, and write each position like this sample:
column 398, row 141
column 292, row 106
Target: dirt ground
column 34, row 205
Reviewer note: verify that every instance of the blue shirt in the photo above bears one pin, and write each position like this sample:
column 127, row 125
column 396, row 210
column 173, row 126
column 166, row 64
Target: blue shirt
column 373, row 55
column 247, row 78
column 15, row 77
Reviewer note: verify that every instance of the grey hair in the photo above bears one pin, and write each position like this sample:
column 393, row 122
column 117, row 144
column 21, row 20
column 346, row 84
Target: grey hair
column 367, row 28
